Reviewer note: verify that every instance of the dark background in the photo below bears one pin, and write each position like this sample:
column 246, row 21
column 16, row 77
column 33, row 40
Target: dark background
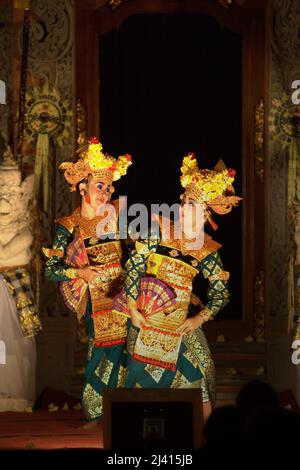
column 171, row 84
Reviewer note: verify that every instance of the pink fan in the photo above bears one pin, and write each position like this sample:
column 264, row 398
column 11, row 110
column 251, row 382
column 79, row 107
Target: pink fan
column 76, row 254
column 154, row 296
column 75, row 291
column 75, row 295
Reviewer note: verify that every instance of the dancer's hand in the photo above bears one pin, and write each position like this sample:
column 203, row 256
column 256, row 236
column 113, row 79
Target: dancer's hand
column 138, row 320
column 190, row 325
column 88, row 274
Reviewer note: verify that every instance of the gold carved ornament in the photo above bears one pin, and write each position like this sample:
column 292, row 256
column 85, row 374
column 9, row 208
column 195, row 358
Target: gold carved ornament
column 259, row 140
column 81, row 136
column 259, row 306
column 114, row 4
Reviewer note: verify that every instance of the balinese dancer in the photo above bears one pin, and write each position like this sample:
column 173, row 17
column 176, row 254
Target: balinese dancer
column 168, row 348
column 86, row 258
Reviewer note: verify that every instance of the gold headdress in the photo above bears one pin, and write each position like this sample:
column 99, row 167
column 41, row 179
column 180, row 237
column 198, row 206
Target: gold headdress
column 212, row 188
column 93, row 161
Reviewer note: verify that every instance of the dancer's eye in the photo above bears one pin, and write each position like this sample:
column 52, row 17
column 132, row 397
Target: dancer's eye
column 189, row 202
column 100, row 186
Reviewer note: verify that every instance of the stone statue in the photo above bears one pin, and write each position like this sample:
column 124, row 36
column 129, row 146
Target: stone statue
column 19, row 321
column 15, row 231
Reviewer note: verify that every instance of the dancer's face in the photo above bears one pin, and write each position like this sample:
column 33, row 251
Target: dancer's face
column 97, row 192
column 191, row 216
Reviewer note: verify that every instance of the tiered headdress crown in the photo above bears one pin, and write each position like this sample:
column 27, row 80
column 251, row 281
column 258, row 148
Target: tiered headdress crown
column 93, row 161
column 212, row 188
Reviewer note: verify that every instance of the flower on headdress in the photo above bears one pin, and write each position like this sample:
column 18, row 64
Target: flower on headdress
column 122, row 163
column 93, row 140
column 231, row 172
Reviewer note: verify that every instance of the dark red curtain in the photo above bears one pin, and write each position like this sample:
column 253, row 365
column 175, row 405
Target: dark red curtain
column 171, row 84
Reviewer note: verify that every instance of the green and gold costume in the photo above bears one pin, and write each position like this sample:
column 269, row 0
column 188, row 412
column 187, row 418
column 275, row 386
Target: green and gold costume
column 75, row 236
column 157, row 355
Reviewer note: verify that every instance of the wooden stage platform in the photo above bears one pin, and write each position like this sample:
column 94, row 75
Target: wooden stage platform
column 44, row 430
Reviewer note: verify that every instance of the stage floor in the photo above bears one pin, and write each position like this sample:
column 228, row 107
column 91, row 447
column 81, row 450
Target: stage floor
column 44, row 430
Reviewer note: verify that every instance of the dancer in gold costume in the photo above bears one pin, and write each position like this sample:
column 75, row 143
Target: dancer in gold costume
column 169, row 349
column 86, row 259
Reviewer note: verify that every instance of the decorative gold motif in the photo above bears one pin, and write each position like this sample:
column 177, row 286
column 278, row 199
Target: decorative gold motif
column 206, row 392
column 180, row 381
column 205, row 185
column 174, row 253
column 197, row 348
column 222, row 205
column 175, row 272
column 131, row 339
column 227, row 4
column 191, row 358
column 30, row 322
column 105, row 254
column 114, row 4
column 92, row 402
column 284, row 120
column 109, row 328
column 297, row 330
column 87, row 226
column 211, row 188
column 72, row 273
column 48, row 116
column 222, row 275
column 260, row 370
column 249, row 339
column 90, row 349
column 80, row 124
column 104, row 369
column 259, row 306
column 22, row 300
column 157, row 347
column 92, row 160
column 49, row 252
column 221, row 338
column 259, row 140
column 232, row 371
column 155, row 372
column 94, row 241
column 209, row 245
column 19, row 284
column 122, row 376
